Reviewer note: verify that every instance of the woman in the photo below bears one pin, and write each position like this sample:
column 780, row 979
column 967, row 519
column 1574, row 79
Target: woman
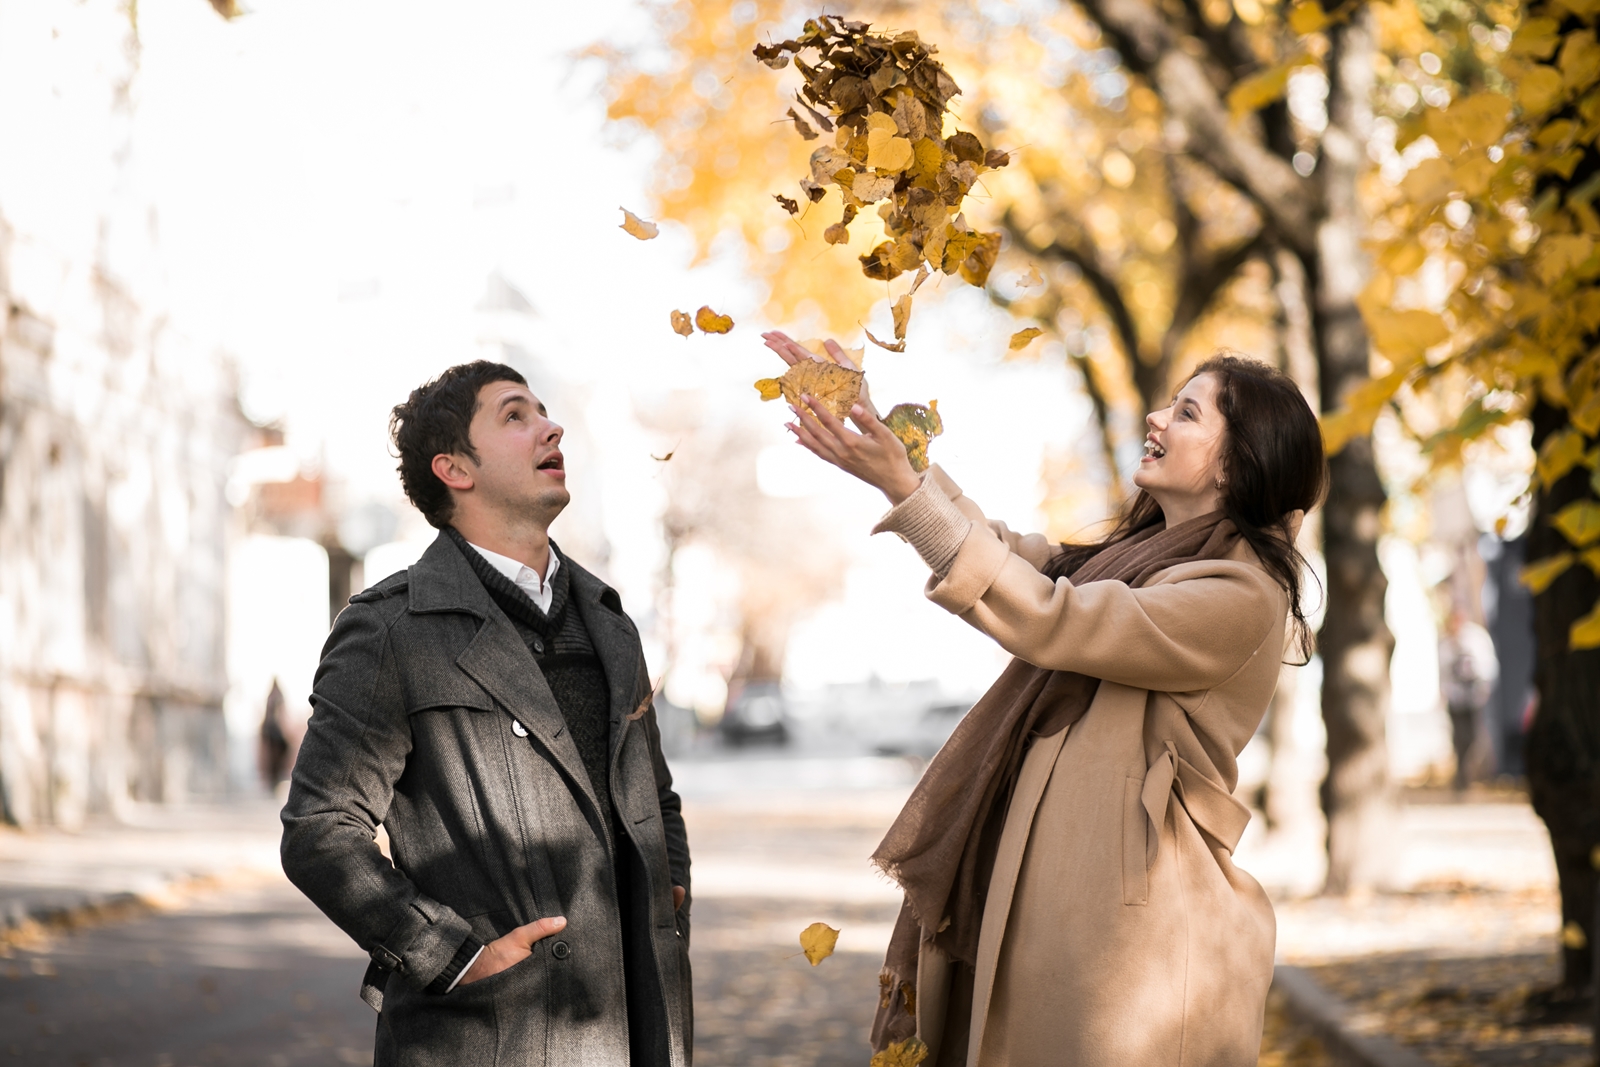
column 1071, row 897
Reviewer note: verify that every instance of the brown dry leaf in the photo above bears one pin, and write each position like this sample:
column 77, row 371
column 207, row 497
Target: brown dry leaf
column 788, row 204
column 682, row 325
column 665, row 458
column 634, row 226
column 837, row 234
column 818, row 940
column 1023, row 338
column 710, row 322
column 835, row 387
column 995, row 159
column 800, row 126
column 916, row 283
column 902, row 316
column 891, row 346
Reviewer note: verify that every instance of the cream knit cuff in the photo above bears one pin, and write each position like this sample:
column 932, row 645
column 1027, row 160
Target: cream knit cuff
column 933, row 525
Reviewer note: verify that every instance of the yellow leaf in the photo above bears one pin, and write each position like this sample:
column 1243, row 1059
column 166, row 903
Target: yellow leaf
column 887, row 150
column 907, row 1053
column 1590, row 557
column 1538, row 576
column 817, row 940
column 1572, row 935
column 1560, row 453
column 682, row 325
column 1030, row 279
column 902, row 316
column 1258, row 90
column 1579, row 60
column 770, row 388
column 1559, row 254
column 1429, row 182
column 915, row 425
column 916, row 283
column 1307, row 18
column 930, row 157
column 1538, row 38
column 836, row 387
column 1539, row 90
column 634, row 226
column 1478, row 120
column 1023, row 338
column 1579, row 522
column 710, row 322
column 1361, row 407
column 1403, row 335
column 1404, row 257
column 1585, row 633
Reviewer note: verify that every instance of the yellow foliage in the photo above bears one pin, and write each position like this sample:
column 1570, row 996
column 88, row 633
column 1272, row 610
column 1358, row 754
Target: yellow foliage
column 1259, row 90
column 1479, row 120
column 710, row 322
column 1405, row 335
column 817, row 941
column 1579, row 522
column 916, row 425
column 1537, row 37
column 1540, row 89
column 1560, row 453
column 907, row 1053
column 1579, row 60
column 1539, row 576
column 1307, row 17
column 1560, row 253
column 1023, row 338
column 1585, row 633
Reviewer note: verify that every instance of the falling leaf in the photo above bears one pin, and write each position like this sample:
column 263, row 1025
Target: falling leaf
column 995, row 159
column 1023, row 338
column 682, row 325
column 1258, row 90
column 916, row 283
column 800, row 126
column 1307, row 17
column 835, row 387
column 891, row 346
column 818, row 940
column 816, row 116
column 789, row 205
column 907, row 1053
column 1579, row 522
column 1539, row 576
column 663, row 459
column 710, row 322
column 837, row 234
column 916, row 426
column 637, row 227
column 1032, row 279
column 902, row 316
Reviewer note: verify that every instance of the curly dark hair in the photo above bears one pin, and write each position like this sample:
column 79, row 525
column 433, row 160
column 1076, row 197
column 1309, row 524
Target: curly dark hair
column 1273, row 465
column 437, row 418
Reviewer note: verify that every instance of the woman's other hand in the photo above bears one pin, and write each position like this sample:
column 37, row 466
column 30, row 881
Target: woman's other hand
column 875, row 455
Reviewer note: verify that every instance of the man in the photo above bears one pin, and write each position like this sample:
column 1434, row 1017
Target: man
column 1468, row 669
column 490, row 708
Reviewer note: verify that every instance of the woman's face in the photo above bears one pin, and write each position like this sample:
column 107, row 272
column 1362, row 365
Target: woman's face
column 1182, row 460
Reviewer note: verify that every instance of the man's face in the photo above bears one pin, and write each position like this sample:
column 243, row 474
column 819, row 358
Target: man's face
column 520, row 470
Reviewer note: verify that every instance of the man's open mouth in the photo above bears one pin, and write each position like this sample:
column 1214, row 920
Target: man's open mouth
column 554, row 463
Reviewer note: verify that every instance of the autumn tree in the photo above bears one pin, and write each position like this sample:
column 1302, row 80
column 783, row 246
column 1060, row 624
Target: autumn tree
column 1164, row 177
column 1489, row 278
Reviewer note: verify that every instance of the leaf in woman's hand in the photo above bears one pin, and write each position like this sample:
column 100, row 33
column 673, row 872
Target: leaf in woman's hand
column 834, row 387
column 915, row 425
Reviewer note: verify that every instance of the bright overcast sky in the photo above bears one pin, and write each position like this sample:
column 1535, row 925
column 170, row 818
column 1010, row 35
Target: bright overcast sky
column 336, row 180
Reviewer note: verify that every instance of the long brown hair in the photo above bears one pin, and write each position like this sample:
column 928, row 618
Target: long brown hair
column 1272, row 466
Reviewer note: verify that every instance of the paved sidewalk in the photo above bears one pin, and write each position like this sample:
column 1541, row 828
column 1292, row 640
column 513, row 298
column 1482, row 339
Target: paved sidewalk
column 51, row 877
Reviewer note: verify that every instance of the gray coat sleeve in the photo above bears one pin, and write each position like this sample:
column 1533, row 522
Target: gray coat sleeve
column 354, row 751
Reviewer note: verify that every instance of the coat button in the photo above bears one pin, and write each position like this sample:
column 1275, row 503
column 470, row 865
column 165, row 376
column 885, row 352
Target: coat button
column 560, row 950
column 538, row 647
column 518, row 729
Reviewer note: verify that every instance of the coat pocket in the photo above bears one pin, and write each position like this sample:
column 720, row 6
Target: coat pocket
column 1135, row 828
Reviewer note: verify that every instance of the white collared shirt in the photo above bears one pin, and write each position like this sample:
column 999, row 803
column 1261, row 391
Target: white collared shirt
column 524, row 576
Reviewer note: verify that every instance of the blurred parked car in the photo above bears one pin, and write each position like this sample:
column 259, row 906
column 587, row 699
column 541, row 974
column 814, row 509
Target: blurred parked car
column 756, row 713
column 922, row 735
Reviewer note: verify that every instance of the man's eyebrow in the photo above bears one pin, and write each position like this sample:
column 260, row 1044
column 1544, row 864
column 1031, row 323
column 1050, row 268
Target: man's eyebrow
column 515, row 398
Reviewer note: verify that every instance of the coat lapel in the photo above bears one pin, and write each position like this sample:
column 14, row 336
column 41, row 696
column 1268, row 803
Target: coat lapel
column 615, row 642
column 442, row 580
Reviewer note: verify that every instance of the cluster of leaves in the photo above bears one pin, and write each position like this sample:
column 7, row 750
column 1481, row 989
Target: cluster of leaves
column 1496, row 214
column 707, row 320
column 885, row 99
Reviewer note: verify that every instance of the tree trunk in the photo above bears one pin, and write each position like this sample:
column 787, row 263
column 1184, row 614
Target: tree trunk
column 1355, row 643
column 1563, row 743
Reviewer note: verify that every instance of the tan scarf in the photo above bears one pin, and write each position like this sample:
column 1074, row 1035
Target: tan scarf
column 941, row 848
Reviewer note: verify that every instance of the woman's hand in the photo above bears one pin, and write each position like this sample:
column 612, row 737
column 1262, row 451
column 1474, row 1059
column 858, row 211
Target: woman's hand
column 875, row 455
column 512, row 949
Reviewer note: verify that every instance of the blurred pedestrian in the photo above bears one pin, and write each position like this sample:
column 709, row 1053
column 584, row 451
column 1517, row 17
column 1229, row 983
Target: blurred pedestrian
column 272, row 744
column 1070, row 891
column 490, row 708
column 1468, row 669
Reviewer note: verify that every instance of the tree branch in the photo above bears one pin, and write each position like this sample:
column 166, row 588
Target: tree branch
column 1105, row 288
column 1149, row 46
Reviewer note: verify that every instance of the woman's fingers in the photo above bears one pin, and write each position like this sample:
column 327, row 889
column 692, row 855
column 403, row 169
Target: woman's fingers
column 836, row 350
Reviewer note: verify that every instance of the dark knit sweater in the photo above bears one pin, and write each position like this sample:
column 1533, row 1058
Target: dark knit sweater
column 561, row 646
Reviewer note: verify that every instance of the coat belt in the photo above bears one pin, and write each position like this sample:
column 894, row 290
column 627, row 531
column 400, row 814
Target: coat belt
column 1212, row 807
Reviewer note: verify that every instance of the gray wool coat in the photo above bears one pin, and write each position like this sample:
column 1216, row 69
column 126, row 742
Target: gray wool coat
column 431, row 718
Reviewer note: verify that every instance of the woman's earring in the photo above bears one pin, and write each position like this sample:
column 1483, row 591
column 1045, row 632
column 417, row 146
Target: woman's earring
column 1219, row 483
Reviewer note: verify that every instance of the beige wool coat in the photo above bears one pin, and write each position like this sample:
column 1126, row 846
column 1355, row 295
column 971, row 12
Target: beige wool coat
column 1117, row 932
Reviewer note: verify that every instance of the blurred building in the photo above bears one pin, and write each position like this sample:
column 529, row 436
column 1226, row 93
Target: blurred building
column 116, row 433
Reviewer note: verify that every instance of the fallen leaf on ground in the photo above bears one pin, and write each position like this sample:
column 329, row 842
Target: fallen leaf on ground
column 915, row 425
column 835, row 387
column 818, row 940
column 907, row 1053
column 1023, row 338
column 682, row 324
column 710, row 322
column 634, row 226
column 890, row 346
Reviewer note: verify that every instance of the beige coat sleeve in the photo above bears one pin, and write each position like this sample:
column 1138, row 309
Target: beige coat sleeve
column 1190, row 630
